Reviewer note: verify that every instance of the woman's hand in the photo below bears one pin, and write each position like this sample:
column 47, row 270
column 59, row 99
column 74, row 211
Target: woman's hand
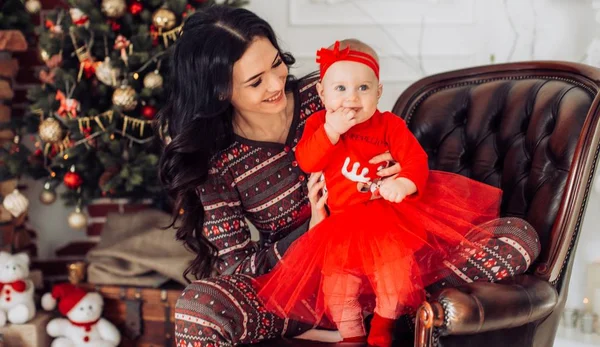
column 390, row 173
column 386, row 157
column 318, row 199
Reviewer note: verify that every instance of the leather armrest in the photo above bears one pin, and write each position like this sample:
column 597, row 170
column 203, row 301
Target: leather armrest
column 481, row 306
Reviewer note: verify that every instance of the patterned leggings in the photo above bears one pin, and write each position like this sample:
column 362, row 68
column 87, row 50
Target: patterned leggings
column 225, row 311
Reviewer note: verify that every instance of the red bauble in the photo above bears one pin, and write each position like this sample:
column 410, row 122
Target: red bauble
column 135, row 8
column 154, row 35
column 114, row 25
column 148, row 112
column 72, row 180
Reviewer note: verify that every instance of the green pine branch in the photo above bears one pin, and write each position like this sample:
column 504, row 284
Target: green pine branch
column 14, row 16
column 111, row 164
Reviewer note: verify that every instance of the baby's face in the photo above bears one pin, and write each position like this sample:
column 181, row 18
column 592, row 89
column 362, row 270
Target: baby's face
column 353, row 85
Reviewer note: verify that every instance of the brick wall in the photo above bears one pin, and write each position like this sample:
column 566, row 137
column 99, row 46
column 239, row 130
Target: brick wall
column 30, row 62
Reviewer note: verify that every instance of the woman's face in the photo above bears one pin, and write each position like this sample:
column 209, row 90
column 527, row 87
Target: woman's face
column 259, row 79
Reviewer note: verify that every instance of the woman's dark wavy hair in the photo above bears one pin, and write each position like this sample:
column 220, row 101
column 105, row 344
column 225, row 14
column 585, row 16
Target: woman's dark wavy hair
column 198, row 114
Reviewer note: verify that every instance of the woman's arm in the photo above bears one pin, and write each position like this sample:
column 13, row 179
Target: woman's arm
column 227, row 229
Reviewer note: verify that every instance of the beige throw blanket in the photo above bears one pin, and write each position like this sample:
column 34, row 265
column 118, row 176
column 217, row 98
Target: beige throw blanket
column 135, row 250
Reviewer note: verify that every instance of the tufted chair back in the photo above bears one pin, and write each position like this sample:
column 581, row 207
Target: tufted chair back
column 530, row 129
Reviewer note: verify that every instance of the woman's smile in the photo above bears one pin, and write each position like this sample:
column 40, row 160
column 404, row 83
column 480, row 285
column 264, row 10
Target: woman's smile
column 275, row 98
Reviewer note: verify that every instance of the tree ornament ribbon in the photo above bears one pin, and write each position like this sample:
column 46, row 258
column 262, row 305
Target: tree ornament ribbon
column 47, row 77
column 54, row 28
column 327, row 57
column 88, row 67
column 78, row 17
column 121, row 43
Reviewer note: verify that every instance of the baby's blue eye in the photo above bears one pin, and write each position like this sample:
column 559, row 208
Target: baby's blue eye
column 340, row 88
column 363, row 87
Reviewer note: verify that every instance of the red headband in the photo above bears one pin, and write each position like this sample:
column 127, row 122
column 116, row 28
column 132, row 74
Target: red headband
column 327, row 57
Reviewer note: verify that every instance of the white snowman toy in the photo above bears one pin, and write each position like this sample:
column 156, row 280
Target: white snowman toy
column 16, row 289
column 83, row 325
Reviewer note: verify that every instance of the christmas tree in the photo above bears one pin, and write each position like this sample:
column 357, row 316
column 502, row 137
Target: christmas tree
column 91, row 119
column 14, row 16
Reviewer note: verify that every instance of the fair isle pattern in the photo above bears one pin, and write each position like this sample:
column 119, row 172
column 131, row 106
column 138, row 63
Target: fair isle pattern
column 510, row 252
column 226, row 311
column 261, row 182
column 457, row 271
column 518, row 247
column 197, row 320
column 492, row 263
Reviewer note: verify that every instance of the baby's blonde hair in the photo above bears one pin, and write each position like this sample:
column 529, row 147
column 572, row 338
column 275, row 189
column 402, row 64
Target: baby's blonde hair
column 357, row 45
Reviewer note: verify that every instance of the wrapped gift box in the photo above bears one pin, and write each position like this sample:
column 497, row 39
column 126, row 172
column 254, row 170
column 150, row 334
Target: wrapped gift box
column 30, row 334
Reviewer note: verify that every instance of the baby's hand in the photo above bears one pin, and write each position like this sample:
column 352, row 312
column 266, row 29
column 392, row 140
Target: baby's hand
column 395, row 190
column 340, row 120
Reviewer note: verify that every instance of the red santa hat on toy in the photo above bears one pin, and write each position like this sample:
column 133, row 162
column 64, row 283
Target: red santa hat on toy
column 67, row 296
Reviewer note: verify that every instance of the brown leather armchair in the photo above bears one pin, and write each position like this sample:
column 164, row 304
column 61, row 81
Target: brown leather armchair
column 533, row 130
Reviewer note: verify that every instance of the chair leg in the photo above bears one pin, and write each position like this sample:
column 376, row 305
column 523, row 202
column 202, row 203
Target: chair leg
column 424, row 326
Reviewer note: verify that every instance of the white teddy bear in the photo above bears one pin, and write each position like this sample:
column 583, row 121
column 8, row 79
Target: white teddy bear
column 84, row 325
column 16, row 290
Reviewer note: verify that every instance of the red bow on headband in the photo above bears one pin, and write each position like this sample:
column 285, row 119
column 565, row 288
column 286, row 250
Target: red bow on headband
column 327, row 57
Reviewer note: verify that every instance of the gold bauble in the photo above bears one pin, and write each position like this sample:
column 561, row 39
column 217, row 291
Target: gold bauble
column 16, row 203
column 107, row 73
column 77, row 220
column 33, row 6
column 164, row 19
column 125, row 97
column 114, row 8
column 48, row 195
column 50, row 130
column 153, row 80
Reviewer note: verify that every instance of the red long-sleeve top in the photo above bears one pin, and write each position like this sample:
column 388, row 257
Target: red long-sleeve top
column 383, row 131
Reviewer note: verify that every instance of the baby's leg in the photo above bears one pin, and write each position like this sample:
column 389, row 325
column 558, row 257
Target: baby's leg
column 387, row 305
column 341, row 292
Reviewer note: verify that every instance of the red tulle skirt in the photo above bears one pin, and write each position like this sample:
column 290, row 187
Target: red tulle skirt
column 396, row 250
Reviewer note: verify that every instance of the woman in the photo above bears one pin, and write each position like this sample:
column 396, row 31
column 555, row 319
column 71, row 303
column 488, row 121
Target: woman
column 234, row 117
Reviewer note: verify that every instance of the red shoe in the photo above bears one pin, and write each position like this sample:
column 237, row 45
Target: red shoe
column 382, row 331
